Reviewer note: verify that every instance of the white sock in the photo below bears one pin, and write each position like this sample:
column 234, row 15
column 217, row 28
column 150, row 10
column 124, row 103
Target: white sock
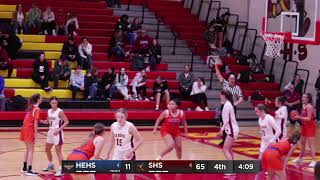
column 159, row 158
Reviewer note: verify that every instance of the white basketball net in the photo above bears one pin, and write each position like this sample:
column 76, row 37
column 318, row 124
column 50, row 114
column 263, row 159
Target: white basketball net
column 274, row 44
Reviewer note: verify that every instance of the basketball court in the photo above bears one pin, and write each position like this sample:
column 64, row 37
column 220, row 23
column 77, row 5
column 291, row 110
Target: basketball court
column 199, row 144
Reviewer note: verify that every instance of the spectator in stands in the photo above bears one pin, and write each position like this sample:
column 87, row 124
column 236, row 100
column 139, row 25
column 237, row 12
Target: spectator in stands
column 143, row 43
column 18, row 21
column 91, row 84
column 298, row 84
column 139, row 87
column 76, row 82
column 2, row 96
column 293, row 100
column 106, row 82
column 48, row 22
column 34, row 18
column 117, row 45
column 70, row 50
column 120, row 85
column 198, row 94
column 72, row 24
column 5, row 61
column 112, row 3
column 123, row 24
column 317, row 171
column 230, row 85
column 209, row 35
column 219, row 26
column 317, row 87
column 160, row 90
column 154, row 54
column 62, row 71
column 136, row 26
column 12, row 44
column 61, row 20
column 186, row 79
column 85, row 51
column 41, row 73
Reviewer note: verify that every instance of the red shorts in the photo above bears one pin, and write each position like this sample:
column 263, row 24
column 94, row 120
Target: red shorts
column 174, row 132
column 271, row 160
column 27, row 134
column 73, row 156
column 308, row 130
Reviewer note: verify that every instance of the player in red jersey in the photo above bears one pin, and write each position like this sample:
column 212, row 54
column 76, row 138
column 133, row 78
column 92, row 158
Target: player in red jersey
column 29, row 132
column 308, row 129
column 170, row 132
column 89, row 150
column 276, row 156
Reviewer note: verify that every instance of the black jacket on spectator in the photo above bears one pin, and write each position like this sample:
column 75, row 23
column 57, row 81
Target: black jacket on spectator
column 162, row 86
column 123, row 24
column 41, row 68
column 14, row 44
column 69, row 49
column 107, row 79
column 209, row 36
column 299, row 87
column 155, row 50
column 136, row 27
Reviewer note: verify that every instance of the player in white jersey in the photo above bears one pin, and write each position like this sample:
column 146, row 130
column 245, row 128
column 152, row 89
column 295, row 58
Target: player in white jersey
column 269, row 129
column 57, row 121
column 281, row 116
column 230, row 129
column 126, row 139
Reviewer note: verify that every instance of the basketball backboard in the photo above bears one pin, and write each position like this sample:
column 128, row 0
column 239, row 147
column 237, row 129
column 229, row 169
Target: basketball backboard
column 298, row 18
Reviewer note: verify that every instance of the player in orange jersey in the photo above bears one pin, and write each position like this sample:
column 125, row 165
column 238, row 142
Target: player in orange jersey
column 308, row 129
column 29, row 132
column 170, row 132
column 276, row 156
column 89, row 150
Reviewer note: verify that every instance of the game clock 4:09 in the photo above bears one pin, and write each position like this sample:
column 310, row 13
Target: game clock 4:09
column 246, row 167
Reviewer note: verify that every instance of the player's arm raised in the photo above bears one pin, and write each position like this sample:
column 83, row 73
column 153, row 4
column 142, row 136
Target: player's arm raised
column 160, row 118
column 98, row 143
column 218, row 73
column 111, row 141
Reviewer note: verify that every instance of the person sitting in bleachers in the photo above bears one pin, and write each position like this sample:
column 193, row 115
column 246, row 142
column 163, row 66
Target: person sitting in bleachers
column 12, row 44
column 48, row 22
column 76, row 82
column 139, row 87
column 198, row 94
column 70, row 51
column 41, row 73
column 62, row 71
column 85, row 51
column 120, row 85
column 143, row 43
column 106, row 82
column 136, row 26
column 123, row 24
column 18, row 22
column 186, row 79
column 72, row 24
column 2, row 96
column 154, row 54
column 5, row 61
column 91, row 84
column 34, row 19
column 298, row 84
column 117, row 45
column 160, row 90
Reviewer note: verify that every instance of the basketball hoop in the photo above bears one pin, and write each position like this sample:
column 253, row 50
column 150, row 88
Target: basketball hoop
column 274, row 43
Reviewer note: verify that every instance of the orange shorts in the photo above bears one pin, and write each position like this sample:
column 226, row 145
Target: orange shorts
column 27, row 134
column 271, row 160
column 76, row 155
column 174, row 132
column 308, row 130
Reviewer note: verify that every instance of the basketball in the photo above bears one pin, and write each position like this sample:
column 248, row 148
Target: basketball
column 294, row 113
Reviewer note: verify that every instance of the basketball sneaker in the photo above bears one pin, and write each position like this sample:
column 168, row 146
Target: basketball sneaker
column 312, row 164
column 58, row 173
column 297, row 160
column 31, row 173
column 49, row 168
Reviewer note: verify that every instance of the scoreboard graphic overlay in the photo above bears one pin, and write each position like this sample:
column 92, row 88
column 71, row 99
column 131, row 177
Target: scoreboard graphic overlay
column 137, row 167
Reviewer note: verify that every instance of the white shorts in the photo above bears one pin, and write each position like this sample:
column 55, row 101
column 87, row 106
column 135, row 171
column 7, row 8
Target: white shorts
column 121, row 155
column 55, row 139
